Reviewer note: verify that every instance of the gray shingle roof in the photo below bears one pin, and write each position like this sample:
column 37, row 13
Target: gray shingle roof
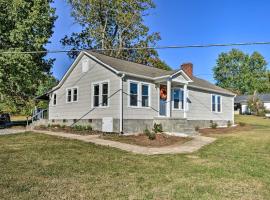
column 144, row 70
column 245, row 98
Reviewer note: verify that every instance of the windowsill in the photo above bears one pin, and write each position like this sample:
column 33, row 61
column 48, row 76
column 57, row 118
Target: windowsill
column 139, row 107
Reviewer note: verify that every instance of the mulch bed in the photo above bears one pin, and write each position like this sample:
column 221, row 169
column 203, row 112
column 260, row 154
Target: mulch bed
column 68, row 129
column 143, row 140
column 225, row 130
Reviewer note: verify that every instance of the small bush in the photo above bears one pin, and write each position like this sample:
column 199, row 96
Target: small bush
column 213, row 125
column 242, row 124
column 82, row 128
column 157, row 128
column 63, row 126
column 49, row 125
column 152, row 136
column 229, row 123
column 197, row 128
column 147, row 132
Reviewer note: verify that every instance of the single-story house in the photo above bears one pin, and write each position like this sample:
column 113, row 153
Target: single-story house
column 241, row 103
column 115, row 95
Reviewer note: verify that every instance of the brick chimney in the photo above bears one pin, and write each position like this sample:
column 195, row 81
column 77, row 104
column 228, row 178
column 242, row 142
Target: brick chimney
column 187, row 68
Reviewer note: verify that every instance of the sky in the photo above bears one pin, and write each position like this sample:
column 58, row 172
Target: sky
column 187, row 22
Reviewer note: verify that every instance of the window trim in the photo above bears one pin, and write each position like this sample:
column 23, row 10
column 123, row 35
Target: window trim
column 216, row 103
column 177, row 109
column 72, row 94
column 100, row 83
column 139, row 85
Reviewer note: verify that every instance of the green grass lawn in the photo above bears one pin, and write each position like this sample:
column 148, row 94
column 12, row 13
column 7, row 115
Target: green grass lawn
column 36, row 166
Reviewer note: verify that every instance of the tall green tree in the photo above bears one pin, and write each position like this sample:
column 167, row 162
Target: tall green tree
column 115, row 24
column 25, row 26
column 242, row 73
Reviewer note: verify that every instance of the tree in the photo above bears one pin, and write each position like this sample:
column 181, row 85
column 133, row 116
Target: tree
column 25, row 26
column 115, row 24
column 241, row 73
column 256, row 106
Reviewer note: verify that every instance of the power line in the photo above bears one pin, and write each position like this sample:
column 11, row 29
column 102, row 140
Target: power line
column 141, row 48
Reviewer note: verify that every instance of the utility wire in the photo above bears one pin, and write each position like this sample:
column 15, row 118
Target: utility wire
column 140, row 48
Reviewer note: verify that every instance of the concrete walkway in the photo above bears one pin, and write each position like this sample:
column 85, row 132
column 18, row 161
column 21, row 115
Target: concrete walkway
column 189, row 147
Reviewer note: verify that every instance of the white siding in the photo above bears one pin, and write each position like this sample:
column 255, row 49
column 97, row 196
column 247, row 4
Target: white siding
column 200, row 106
column 140, row 113
column 83, row 81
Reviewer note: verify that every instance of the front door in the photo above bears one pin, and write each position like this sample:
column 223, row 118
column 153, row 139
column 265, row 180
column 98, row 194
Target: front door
column 163, row 100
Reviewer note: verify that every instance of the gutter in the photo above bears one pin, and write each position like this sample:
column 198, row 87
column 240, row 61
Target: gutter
column 121, row 104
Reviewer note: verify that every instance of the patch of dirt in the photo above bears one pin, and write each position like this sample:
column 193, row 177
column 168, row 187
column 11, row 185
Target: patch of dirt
column 225, row 130
column 143, row 140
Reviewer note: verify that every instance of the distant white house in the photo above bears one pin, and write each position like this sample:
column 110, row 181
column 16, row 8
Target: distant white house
column 241, row 103
column 117, row 95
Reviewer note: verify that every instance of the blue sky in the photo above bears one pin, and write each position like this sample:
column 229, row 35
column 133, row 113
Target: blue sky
column 186, row 22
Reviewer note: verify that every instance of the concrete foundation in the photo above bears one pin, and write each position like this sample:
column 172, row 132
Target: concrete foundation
column 172, row 125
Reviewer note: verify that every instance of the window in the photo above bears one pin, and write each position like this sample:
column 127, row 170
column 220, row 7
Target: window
column 145, row 95
column 69, row 91
column 133, row 94
column 75, row 94
column 72, row 95
column 101, row 94
column 216, row 103
column 54, row 100
column 139, row 94
column 178, row 98
column 96, row 95
column 105, row 94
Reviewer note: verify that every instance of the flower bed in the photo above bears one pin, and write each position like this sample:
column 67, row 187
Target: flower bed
column 143, row 140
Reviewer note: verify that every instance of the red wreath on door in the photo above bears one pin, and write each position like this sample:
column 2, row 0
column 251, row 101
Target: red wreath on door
column 163, row 92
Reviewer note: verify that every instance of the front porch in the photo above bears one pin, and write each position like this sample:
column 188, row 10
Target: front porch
column 173, row 95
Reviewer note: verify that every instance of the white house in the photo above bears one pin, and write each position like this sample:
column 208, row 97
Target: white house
column 116, row 95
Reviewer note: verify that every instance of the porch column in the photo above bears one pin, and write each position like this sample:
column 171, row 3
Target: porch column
column 185, row 100
column 169, row 86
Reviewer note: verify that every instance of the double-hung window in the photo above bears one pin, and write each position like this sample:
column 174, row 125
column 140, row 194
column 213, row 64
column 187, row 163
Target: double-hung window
column 54, row 101
column 139, row 94
column 133, row 87
column 72, row 95
column 178, row 98
column 101, row 94
column 216, row 103
column 145, row 95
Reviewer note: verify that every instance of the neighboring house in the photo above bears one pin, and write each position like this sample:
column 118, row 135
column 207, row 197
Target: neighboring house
column 121, row 96
column 241, row 103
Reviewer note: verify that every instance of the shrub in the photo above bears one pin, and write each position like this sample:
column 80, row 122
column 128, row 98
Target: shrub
column 229, row 123
column 147, row 132
column 152, row 136
column 157, row 128
column 213, row 125
column 242, row 124
column 49, row 125
column 82, row 128
column 63, row 126
column 197, row 128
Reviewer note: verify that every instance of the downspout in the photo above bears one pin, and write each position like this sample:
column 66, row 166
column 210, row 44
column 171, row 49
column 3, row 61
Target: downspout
column 121, row 103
